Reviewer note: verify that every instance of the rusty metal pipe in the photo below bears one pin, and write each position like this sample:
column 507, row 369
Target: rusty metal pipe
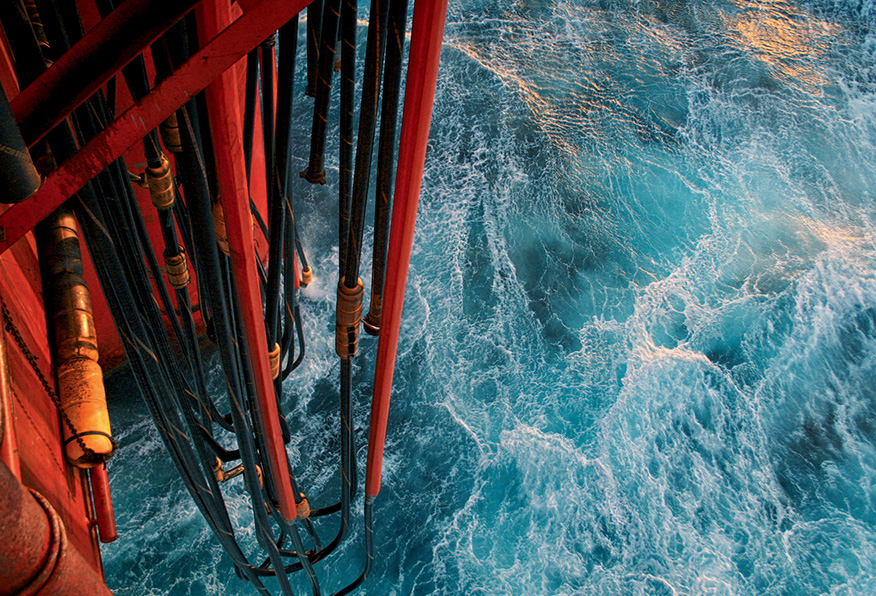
column 87, row 438
column 35, row 556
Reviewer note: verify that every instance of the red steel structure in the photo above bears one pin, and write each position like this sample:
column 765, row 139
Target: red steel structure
column 49, row 526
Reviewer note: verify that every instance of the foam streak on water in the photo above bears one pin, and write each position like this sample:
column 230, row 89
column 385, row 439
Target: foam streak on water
column 639, row 354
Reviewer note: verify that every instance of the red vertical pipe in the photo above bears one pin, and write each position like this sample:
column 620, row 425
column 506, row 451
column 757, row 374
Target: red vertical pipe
column 426, row 34
column 8, row 443
column 221, row 96
column 103, row 504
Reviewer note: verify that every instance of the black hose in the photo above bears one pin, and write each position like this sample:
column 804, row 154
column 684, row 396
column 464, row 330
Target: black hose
column 367, row 127
column 398, row 10
column 349, row 13
column 315, row 172
column 314, row 18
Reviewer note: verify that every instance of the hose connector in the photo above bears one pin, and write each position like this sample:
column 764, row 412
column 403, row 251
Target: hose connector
column 302, row 507
column 274, row 361
column 307, row 276
column 348, row 316
column 160, row 183
column 170, row 134
column 219, row 224
column 371, row 322
column 177, row 270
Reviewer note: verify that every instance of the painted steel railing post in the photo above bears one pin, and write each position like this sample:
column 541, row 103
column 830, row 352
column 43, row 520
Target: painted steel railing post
column 222, row 100
column 426, row 35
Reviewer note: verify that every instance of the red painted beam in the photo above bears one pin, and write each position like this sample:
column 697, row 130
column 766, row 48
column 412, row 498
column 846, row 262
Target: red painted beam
column 426, row 35
column 260, row 20
column 92, row 61
column 222, row 100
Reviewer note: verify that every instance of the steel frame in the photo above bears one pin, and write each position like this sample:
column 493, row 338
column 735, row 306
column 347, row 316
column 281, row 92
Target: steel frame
column 91, row 62
column 260, row 19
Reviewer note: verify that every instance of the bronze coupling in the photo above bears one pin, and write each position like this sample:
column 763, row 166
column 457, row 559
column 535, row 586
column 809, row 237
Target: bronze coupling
column 306, row 276
column 348, row 316
column 75, row 332
column 274, row 360
column 219, row 225
column 177, row 270
column 302, row 507
column 160, row 183
column 170, row 134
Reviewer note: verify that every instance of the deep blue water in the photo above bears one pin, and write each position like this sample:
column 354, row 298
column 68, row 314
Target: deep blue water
column 639, row 353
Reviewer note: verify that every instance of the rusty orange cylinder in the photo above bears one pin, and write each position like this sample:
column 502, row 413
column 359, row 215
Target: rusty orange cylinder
column 35, row 556
column 80, row 379
column 80, row 386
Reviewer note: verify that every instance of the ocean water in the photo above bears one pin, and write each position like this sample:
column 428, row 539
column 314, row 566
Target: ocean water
column 639, row 348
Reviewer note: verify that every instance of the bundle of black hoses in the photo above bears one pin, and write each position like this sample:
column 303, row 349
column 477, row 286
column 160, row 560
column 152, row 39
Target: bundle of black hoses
column 168, row 364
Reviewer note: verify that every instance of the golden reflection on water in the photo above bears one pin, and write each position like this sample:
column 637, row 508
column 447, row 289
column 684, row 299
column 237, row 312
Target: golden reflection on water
column 783, row 37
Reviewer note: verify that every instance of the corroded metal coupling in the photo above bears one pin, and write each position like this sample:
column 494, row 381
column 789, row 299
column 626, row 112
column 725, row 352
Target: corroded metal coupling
column 177, row 270
column 160, row 183
column 348, row 316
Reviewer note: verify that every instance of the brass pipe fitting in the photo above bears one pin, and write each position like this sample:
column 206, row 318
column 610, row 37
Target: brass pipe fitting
column 274, row 360
column 160, row 183
column 170, row 134
column 177, row 270
column 348, row 316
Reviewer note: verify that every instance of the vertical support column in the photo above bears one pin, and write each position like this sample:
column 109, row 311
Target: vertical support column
column 222, row 99
column 426, row 35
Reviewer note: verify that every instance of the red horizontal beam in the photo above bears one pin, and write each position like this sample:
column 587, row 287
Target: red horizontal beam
column 257, row 23
column 91, row 62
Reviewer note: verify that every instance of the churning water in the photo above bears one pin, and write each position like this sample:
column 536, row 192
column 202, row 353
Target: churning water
column 639, row 353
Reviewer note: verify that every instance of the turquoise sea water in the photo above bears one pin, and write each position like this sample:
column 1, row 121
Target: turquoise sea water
column 639, row 353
